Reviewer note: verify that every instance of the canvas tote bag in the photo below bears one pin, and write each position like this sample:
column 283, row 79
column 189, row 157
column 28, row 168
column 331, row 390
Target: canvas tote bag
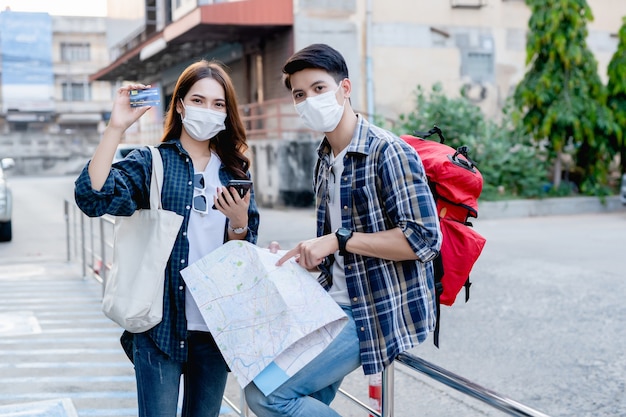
column 142, row 244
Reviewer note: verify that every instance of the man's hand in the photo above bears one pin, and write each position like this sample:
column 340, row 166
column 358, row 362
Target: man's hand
column 310, row 253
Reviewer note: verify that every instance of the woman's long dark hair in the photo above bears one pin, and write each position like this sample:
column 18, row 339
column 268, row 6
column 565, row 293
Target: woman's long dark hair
column 230, row 144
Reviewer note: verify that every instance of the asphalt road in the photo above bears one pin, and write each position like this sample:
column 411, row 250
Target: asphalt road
column 544, row 324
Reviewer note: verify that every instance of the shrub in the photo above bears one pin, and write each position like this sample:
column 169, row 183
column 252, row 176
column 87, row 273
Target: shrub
column 512, row 165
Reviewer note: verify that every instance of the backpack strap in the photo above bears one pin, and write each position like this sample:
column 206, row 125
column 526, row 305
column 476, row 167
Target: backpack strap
column 434, row 130
column 438, row 272
column 467, row 286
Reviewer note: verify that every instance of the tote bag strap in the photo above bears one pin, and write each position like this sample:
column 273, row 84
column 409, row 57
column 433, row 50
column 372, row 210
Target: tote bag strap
column 157, row 178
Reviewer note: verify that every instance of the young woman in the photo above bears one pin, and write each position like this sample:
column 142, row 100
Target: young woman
column 202, row 149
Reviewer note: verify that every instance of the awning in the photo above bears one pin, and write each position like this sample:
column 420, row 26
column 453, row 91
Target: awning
column 203, row 29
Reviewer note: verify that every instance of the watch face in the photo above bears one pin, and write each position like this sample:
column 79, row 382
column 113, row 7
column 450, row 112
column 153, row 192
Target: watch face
column 344, row 232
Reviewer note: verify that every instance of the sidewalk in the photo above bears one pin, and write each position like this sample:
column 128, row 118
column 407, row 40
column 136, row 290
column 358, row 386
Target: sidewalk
column 59, row 355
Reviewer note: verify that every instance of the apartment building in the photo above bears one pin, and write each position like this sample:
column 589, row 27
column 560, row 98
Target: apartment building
column 45, row 68
column 51, row 113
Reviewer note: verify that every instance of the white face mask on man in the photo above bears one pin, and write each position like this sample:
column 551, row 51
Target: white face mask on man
column 321, row 113
column 203, row 124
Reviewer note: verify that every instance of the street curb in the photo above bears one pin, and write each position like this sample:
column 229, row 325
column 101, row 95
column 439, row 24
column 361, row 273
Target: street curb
column 488, row 210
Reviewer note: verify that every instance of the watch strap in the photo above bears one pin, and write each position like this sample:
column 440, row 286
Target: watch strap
column 237, row 230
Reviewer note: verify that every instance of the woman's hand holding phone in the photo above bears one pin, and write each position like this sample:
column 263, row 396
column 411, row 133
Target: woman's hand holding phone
column 234, row 200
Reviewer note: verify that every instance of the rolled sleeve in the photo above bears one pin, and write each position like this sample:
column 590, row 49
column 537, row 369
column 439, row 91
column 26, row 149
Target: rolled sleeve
column 409, row 201
column 124, row 191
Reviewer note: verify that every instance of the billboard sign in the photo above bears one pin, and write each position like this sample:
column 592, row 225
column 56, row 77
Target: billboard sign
column 26, row 62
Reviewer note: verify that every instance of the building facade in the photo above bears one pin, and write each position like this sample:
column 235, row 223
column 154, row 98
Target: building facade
column 50, row 110
column 391, row 47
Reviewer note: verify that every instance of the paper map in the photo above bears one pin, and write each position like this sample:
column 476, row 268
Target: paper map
column 267, row 321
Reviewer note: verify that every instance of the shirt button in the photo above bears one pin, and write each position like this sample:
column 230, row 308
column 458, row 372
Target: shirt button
column 182, row 344
column 355, row 299
column 362, row 329
column 182, row 261
column 345, row 207
column 189, row 183
column 184, row 233
column 188, row 207
column 181, row 288
column 186, row 159
column 349, row 267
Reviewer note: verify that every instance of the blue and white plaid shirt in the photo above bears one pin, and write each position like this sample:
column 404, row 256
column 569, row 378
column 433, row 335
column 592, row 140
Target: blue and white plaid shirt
column 384, row 186
column 127, row 189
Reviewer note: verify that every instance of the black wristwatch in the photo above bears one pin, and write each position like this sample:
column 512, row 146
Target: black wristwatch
column 343, row 235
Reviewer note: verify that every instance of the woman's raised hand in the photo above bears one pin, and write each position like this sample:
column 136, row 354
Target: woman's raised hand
column 123, row 115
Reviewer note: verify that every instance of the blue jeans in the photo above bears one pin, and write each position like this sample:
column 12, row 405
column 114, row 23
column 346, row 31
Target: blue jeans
column 310, row 391
column 158, row 378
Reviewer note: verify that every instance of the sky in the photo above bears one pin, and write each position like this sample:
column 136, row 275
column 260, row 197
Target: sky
column 58, row 7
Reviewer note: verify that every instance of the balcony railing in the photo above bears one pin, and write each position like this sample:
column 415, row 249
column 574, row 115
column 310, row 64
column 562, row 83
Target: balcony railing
column 274, row 119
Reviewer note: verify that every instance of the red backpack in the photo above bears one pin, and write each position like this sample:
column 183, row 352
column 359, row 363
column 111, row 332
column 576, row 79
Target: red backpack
column 456, row 185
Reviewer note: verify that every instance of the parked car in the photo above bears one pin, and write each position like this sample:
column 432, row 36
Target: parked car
column 6, row 202
column 124, row 149
column 622, row 190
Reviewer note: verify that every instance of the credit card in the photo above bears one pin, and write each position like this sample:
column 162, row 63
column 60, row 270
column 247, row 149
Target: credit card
column 145, row 97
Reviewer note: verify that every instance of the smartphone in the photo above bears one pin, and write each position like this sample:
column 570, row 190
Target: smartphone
column 145, row 97
column 242, row 187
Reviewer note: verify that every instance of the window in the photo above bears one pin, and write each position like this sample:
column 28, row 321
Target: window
column 75, row 52
column 76, row 92
column 478, row 66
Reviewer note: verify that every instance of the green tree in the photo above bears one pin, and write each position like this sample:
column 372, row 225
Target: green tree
column 561, row 98
column 512, row 165
column 456, row 117
column 617, row 94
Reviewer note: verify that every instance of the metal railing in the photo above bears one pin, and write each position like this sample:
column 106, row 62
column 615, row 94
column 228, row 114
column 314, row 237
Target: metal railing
column 93, row 246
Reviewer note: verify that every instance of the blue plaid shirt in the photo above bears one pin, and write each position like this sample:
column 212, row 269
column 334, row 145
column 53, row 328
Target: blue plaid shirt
column 127, row 189
column 384, row 186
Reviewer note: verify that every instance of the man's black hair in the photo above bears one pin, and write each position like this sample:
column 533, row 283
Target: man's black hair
column 317, row 56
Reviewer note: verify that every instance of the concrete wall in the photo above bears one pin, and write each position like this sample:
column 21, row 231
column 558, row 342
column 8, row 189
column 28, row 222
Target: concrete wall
column 282, row 171
column 422, row 42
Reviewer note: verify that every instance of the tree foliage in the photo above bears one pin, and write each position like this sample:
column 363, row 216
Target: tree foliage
column 512, row 165
column 616, row 99
column 561, row 96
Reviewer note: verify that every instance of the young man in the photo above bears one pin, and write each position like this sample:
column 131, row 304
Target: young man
column 377, row 231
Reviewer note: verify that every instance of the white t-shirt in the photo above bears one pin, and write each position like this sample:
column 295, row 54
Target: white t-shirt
column 205, row 234
column 339, row 289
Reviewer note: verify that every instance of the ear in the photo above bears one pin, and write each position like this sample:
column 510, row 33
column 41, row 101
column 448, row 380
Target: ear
column 346, row 86
column 179, row 107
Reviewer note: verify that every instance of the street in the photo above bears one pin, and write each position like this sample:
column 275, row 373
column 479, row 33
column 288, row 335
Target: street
column 544, row 324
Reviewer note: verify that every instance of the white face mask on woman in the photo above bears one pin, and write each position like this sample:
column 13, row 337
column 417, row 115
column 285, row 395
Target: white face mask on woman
column 203, row 124
column 321, row 113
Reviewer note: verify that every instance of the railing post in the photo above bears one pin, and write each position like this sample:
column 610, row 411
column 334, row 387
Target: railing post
column 73, row 231
column 66, row 210
column 92, row 245
column 388, row 391
column 103, row 268
column 243, row 404
column 83, row 246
